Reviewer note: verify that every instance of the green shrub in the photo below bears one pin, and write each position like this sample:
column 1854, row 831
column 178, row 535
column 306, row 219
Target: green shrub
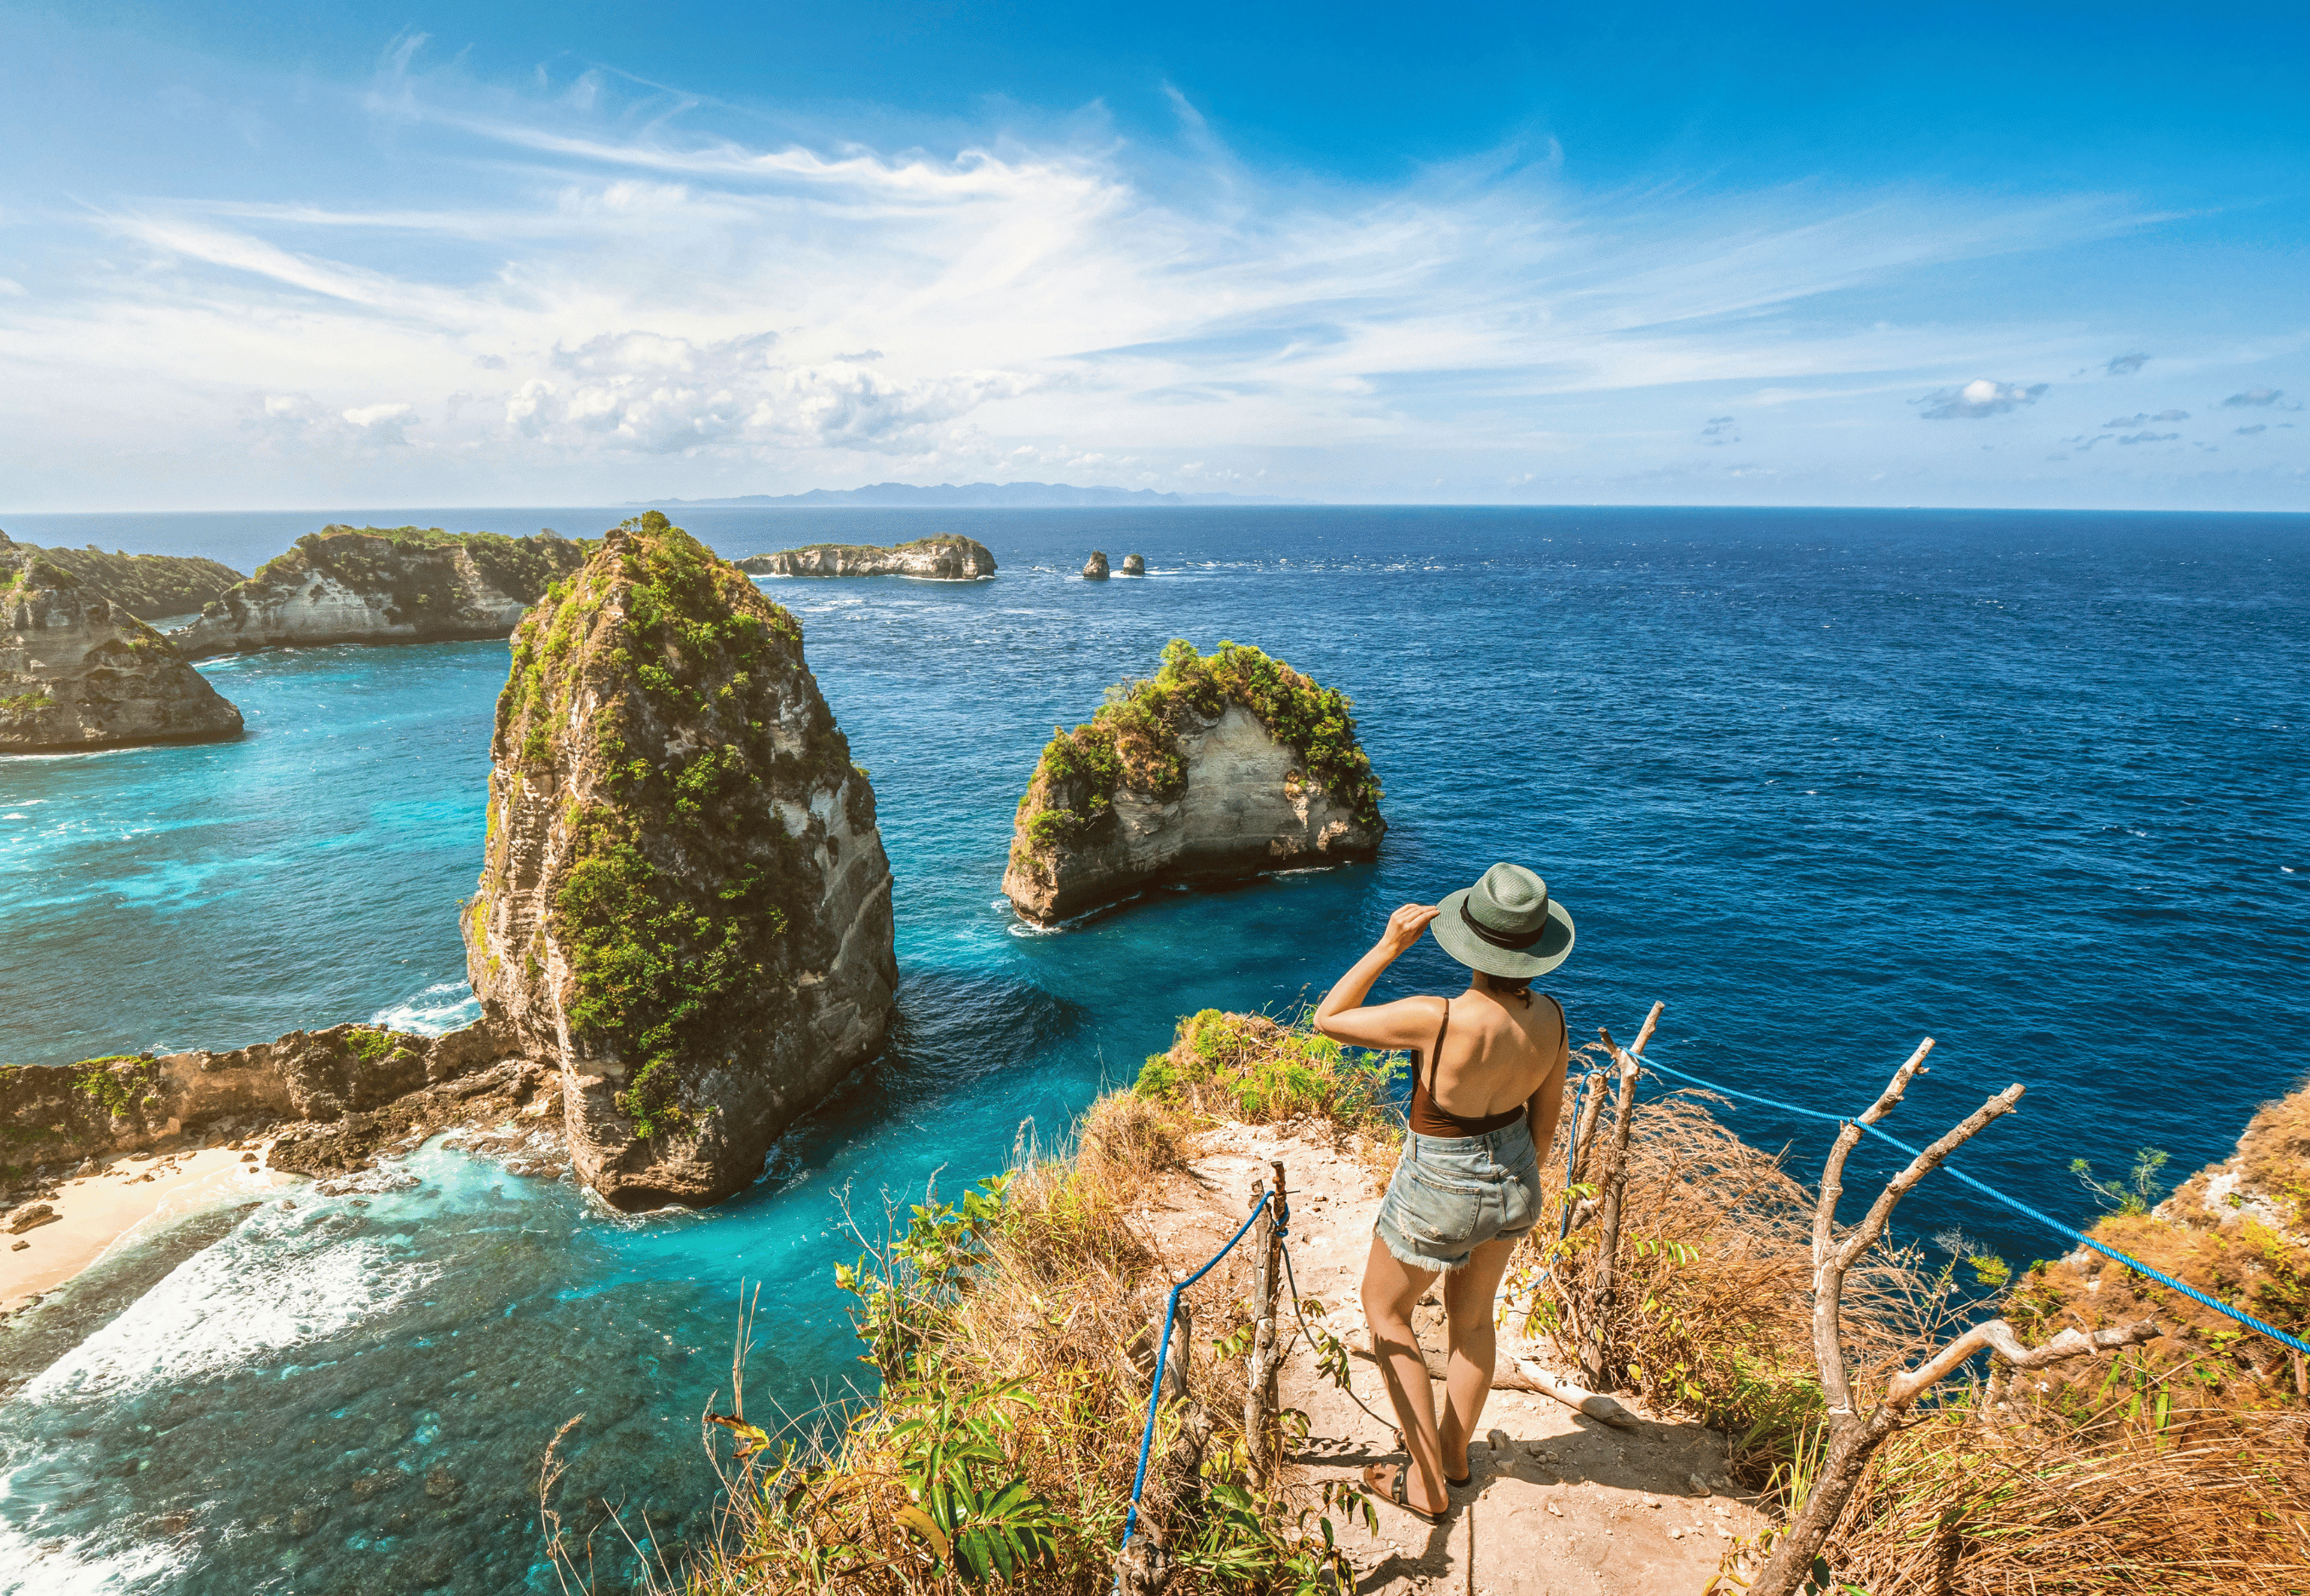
column 1251, row 1068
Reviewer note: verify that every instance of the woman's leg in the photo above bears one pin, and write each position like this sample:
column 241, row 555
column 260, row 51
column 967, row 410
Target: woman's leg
column 1468, row 1294
column 1390, row 1288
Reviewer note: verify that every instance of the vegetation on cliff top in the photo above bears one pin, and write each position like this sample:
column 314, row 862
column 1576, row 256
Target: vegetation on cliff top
column 937, row 540
column 146, row 586
column 519, row 568
column 684, row 889
column 1133, row 741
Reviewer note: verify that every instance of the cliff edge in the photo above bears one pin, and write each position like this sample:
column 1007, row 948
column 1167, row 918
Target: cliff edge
column 935, row 558
column 149, row 586
column 1214, row 766
column 369, row 585
column 79, row 671
column 684, row 902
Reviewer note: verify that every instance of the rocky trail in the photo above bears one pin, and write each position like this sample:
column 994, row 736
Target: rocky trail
column 1558, row 1504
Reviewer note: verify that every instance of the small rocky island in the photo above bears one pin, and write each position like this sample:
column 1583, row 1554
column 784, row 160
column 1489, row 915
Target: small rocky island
column 1215, row 767
column 1095, row 568
column 371, row 585
column 149, row 586
column 944, row 559
column 684, row 903
column 78, row 671
column 1135, row 565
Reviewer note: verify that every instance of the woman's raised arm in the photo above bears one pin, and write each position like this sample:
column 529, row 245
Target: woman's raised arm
column 1405, row 1023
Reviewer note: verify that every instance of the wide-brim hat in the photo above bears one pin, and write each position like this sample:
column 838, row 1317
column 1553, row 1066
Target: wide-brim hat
column 1506, row 924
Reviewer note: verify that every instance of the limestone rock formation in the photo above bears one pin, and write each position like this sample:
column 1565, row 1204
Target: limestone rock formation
column 79, row 671
column 367, row 584
column 944, row 559
column 1095, row 568
column 149, row 586
column 1135, row 565
column 346, row 1077
column 685, row 903
column 1215, row 767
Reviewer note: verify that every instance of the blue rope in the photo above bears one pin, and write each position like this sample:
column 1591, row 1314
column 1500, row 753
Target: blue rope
column 2191, row 1292
column 1162, row 1357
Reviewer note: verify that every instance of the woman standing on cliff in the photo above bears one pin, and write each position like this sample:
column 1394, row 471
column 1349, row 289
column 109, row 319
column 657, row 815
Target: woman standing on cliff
column 1487, row 1081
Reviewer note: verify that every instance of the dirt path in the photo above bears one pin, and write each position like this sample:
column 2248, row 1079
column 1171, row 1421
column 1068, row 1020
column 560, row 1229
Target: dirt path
column 1558, row 1505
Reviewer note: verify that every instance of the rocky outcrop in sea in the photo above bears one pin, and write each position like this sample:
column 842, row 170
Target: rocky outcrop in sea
column 945, row 558
column 149, row 586
column 1135, row 565
column 685, row 905
column 343, row 1092
column 1095, row 568
column 78, row 671
column 369, row 585
column 1215, row 767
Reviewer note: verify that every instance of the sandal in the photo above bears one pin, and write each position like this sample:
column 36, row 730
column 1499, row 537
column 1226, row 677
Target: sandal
column 1450, row 1484
column 1394, row 1493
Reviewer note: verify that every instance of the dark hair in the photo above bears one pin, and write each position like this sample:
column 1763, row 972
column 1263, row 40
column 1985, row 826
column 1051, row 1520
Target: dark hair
column 1518, row 987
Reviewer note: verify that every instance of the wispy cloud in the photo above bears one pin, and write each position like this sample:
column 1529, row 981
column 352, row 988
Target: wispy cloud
column 2126, row 364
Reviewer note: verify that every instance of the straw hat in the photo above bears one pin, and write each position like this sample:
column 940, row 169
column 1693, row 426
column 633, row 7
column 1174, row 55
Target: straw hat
column 1506, row 924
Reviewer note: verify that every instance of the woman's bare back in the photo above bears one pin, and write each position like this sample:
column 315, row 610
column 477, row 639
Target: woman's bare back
column 1496, row 1054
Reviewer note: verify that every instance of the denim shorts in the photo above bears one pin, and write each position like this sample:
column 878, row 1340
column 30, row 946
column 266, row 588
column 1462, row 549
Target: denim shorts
column 1453, row 1193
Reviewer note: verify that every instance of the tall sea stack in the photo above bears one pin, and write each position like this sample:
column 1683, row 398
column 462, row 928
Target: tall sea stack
column 685, row 902
column 1214, row 766
column 79, row 671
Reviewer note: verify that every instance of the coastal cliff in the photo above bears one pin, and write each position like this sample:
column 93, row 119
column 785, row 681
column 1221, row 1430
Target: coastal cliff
column 149, row 586
column 79, row 671
column 935, row 558
column 347, row 1088
column 685, row 905
column 369, row 585
column 1212, row 768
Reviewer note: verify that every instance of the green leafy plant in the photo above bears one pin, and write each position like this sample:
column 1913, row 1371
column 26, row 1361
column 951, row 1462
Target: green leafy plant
column 2137, row 1193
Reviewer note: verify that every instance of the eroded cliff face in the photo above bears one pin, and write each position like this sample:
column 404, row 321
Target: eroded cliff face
column 352, row 1084
column 406, row 585
column 685, row 905
column 1213, row 767
column 933, row 559
column 79, row 671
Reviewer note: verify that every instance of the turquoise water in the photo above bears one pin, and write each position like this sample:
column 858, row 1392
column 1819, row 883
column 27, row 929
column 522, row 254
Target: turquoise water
column 1824, row 781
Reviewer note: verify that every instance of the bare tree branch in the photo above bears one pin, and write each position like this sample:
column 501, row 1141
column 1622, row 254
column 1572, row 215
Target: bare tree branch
column 1998, row 1336
column 1865, row 1234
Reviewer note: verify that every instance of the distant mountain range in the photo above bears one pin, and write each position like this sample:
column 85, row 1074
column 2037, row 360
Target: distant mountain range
column 983, row 496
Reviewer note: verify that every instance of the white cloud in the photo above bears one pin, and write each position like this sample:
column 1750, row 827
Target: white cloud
column 1977, row 398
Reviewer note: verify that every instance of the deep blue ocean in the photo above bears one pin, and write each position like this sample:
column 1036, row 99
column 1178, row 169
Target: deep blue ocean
column 1824, row 781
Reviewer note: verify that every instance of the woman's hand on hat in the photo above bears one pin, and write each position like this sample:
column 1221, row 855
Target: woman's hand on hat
column 1405, row 925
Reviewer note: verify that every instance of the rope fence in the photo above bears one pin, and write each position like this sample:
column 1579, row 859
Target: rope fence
column 2227, row 1310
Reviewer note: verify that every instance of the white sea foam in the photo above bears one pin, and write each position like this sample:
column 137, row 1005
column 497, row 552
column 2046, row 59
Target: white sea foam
column 277, row 1281
column 444, row 1006
column 57, row 1568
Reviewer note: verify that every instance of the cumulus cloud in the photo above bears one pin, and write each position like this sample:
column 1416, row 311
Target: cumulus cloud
column 2253, row 396
column 1979, row 397
column 2127, row 365
column 2149, row 438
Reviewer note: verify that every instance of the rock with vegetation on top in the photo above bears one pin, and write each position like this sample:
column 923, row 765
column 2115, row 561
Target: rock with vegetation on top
column 685, row 902
column 1215, row 767
column 945, row 558
column 1095, row 568
column 149, row 586
column 79, row 671
column 349, row 1078
column 1135, row 565
column 371, row 585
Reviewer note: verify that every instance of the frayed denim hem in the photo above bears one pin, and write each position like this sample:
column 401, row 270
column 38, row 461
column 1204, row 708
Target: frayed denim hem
column 1402, row 1252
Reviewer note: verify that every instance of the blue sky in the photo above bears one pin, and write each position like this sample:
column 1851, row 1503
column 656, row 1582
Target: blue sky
column 270, row 256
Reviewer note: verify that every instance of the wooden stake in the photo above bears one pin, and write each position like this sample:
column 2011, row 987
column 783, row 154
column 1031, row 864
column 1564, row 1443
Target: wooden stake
column 1614, row 1181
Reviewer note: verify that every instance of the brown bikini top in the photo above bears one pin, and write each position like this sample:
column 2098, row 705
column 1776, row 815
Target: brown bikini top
column 1430, row 1118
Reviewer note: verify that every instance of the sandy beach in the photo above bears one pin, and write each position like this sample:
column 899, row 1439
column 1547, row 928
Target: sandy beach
column 96, row 1211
